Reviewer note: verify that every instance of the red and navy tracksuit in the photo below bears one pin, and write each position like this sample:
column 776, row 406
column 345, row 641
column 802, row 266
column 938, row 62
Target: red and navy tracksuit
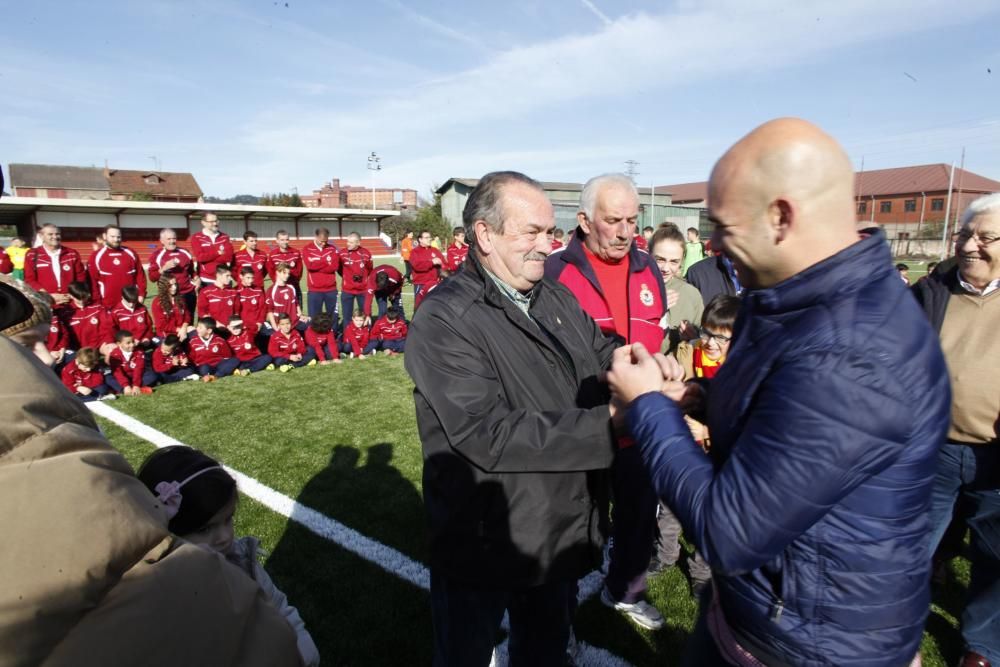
column 386, row 335
column 282, row 346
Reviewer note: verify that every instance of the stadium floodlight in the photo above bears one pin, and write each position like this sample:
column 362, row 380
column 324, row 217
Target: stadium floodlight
column 374, row 164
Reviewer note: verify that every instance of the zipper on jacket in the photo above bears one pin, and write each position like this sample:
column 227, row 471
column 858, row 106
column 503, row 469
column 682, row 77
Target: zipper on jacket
column 777, row 609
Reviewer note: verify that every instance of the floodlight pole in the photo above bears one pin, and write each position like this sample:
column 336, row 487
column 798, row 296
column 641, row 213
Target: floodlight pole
column 374, row 164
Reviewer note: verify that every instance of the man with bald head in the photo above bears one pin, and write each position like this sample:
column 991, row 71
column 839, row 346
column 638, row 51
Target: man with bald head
column 177, row 262
column 813, row 508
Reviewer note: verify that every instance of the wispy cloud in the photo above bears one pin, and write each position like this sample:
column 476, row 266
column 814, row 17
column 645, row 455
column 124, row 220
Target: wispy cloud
column 435, row 26
column 597, row 12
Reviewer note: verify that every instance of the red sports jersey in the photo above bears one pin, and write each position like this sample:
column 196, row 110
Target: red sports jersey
column 291, row 257
column 6, row 266
column 163, row 363
column 316, row 341
column 210, row 351
column 556, row 244
column 322, row 263
column 243, row 346
column 54, row 277
column 419, row 299
column 111, row 269
column 281, row 299
column 164, row 324
column 162, row 261
column 219, row 303
column 73, row 377
column 210, row 252
column 425, row 272
column 355, row 265
column 456, row 256
column 256, row 261
column 128, row 371
column 90, row 326
column 58, row 338
column 393, row 289
column 358, row 338
column 136, row 320
column 282, row 345
column 383, row 329
column 640, row 242
column 252, row 307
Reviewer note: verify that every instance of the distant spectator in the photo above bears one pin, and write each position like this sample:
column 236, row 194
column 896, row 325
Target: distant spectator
column 904, row 272
column 684, row 302
column 647, row 235
column 714, row 275
column 458, row 250
column 405, row 248
column 6, row 267
column 211, row 247
column 426, row 262
column 16, row 252
column 557, row 238
column 694, row 250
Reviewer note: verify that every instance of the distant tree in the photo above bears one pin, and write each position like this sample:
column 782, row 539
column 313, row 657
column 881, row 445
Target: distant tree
column 246, row 200
column 140, row 196
column 429, row 217
column 280, row 199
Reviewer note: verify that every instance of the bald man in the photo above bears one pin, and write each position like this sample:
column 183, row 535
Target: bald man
column 813, row 508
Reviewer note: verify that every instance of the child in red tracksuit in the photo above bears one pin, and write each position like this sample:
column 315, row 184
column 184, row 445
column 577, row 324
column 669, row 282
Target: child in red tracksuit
column 242, row 340
column 128, row 367
column 287, row 348
column 388, row 333
column 321, row 339
column 251, row 309
column 356, row 336
column 57, row 342
column 218, row 301
column 210, row 354
column 169, row 361
column 89, row 323
column 131, row 315
column 82, row 378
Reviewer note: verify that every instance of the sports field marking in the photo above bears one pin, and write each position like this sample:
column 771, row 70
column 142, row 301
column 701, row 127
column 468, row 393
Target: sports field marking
column 373, row 551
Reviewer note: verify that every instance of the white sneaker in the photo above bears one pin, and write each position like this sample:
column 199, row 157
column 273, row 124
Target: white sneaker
column 642, row 613
column 107, row 397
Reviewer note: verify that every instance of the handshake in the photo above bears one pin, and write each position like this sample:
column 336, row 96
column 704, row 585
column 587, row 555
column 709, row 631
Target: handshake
column 634, row 372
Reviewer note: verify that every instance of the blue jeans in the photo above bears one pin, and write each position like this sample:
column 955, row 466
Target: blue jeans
column 256, row 364
column 466, row 621
column 224, row 368
column 349, row 303
column 320, row 301
column 383, row 304
column 394, row 345
column 974, row 472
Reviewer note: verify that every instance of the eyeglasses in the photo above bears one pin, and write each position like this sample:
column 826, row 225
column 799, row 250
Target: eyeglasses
column 707, row 336
column 963, row 237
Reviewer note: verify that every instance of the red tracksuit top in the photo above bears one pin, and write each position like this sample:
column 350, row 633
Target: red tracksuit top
column 6, row 266
column 456, row 256
column 358, row 338
column 183, row 272
column 355, row 265
column 135, row 320
column 219, row 303
column 383, row 329
column 394, row 288
column 291, row 257
column 42, row 274
column 210, row 253
column 164, row 324
column 257, row 262
column 211, row 351
column 251, row 308
column 322, row 264
column 281, row 299
column 281, row 345
column 90, row 326
column 243, row 346
column 424, row 271
column 73, row 377
column 112, row 269
column 165, row 364
column 58, row 338
column 317, row 341
column 129, row 371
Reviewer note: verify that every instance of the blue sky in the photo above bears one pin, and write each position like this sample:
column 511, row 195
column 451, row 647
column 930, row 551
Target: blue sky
column 254, row 96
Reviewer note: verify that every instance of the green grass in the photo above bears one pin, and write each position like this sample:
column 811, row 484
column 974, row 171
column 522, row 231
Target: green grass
column 342, row 439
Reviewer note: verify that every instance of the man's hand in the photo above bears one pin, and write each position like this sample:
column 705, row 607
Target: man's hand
column 633, row 375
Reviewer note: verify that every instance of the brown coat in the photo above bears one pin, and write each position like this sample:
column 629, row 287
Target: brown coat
column 89, row 573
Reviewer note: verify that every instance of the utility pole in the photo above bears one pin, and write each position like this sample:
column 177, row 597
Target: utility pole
column 630, row 171
column 374, row 164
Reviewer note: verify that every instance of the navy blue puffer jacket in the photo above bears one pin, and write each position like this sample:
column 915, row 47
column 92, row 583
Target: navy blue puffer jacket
column 826, row 421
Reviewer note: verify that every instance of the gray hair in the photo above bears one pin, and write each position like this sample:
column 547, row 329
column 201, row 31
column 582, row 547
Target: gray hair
column 354, row 235
column 985, row 204
column 486, row 203
column 588, row 196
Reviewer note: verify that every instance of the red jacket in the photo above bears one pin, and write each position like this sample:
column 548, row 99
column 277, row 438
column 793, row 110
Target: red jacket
column 390, row 293
column 210, row 351
column 424, row 293
column 281, row 345
column 210, row 253
column 165, row 364
column 243, row 346
column 164, row 324
column 219, row 303
column 357, row 337
column 257, row 262
column 425, row 272
column 136, row 320
column 58, row 338
column 129, row 371
column 41, row 274
column 556, row 244
column 647, row 299
column 7, row 266
column 355, row 265
column 73, row 377
column 111, row 269
column 183, row 272
column 90, row 326
column 291, row 257
column 321, row 267
column 456, row 256
column 317, row 341
column 383, row 329
column 281, row 299
column 251, row 307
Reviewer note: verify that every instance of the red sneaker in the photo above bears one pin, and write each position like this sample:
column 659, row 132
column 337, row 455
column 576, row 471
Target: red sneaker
column 146, row 390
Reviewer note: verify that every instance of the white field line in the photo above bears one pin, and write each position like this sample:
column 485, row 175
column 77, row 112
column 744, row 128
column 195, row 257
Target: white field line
column 373, row 551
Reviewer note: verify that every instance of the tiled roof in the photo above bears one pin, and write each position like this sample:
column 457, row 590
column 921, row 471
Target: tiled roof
column 168, row 183
column 921, row 178
column 57, row 176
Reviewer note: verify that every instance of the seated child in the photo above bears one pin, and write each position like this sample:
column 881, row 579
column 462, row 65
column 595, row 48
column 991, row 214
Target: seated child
column 212, row 357
column 82, row 378
column 128, row 367
column 322, row 340
column 287, row 348
column 131, row 315
column 242, row 342
column 199, row 497
column 57, row 342
column 388, row 333
column 170, row 363
column 356, row 336
column 89, row 323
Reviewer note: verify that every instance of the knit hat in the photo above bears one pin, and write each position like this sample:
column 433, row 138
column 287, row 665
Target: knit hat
column 21, row 307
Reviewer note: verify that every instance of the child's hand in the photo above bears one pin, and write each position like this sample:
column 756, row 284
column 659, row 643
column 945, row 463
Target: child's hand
column 84, row 391
column 295, row 357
